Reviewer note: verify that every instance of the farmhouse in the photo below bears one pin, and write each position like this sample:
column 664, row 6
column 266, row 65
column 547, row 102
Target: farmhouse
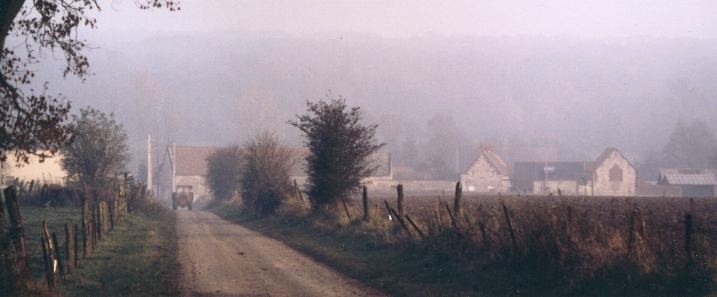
column 692, row 182
column 611, row 174
column 191, row 168
column 489, row 173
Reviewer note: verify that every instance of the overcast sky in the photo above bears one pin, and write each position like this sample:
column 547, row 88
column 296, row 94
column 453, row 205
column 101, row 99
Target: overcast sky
column 402, row 18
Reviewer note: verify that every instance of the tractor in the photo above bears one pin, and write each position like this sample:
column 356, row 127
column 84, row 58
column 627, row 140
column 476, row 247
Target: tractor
column 183, row 197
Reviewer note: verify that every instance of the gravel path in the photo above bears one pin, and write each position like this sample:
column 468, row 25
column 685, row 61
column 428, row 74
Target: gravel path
column 220, row 258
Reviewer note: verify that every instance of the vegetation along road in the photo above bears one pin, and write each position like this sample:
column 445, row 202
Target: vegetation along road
column 220, row 258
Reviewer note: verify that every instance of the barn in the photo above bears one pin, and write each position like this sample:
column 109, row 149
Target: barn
column 611, row 174
column 692, row 182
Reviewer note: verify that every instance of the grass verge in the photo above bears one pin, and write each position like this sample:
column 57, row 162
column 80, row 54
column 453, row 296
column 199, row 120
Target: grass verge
column 137, row 258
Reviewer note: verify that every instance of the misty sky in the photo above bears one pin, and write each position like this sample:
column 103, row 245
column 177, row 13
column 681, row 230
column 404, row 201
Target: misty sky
column 585, row 18
column 585, row 74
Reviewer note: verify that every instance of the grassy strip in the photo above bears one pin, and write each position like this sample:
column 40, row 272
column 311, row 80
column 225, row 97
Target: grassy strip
column 137, row 258
column 397, row 270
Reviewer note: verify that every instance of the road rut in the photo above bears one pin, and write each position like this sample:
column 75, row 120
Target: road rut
column 220, row 258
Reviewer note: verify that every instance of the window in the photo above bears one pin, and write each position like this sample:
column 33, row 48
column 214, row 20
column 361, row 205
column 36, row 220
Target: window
column 616, row 173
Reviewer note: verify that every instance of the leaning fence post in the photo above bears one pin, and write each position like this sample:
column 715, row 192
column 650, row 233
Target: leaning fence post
column 348, row 214
column 510, row 228
column 364, row 195
column 457, row 199
column 399, row 203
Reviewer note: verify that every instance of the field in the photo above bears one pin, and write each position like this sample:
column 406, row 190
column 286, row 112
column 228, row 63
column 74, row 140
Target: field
column 513, row 245
column 588, row 244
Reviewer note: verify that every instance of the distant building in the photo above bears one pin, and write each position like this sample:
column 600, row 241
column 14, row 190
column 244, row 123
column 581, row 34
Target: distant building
column 489, row 173
column 610, row 175
column 191, row 169
column 692, row 182
column 49, row 171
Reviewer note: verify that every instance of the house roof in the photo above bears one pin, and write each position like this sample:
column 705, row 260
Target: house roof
column 534, row 171
column 687, row 176
column 604, row 156
column 493, row 159
column 192, row 160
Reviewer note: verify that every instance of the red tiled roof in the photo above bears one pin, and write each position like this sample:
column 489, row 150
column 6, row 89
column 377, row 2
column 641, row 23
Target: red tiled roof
column 192, row 160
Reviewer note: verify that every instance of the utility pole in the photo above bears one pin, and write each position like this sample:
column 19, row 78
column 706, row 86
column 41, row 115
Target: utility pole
column 149, row 163
column 172, row 162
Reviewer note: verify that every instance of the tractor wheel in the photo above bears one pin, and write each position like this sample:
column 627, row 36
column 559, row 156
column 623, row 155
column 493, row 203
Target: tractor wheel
column 189, row 206
column 174, row 205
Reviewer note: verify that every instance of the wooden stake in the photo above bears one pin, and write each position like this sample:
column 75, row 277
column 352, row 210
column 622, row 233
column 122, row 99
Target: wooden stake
column 364, row 197
column 347, row 209
column 69, row 248
column 420, row 233
column 399, row 203
column 56, row 255
column 457, row 199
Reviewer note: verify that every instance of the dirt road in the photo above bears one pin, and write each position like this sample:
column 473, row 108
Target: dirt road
column 223, row 259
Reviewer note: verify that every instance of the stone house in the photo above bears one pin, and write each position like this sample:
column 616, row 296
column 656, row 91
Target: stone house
column 611, row 174
column 691, row 182
column 489, row 173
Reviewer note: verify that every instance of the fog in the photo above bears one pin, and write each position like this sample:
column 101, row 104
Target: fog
column 577, row 76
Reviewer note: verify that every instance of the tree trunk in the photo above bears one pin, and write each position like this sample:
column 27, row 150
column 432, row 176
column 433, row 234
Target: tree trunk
column 8, row 11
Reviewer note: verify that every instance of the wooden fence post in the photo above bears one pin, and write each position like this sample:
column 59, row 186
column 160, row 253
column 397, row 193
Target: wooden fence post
column 85, row 223
column 298, row 191
column 420, row 233
column 48, row 265
column 364, row 196
column 56, row 255
column 457, row 209
column 98, row 220
column 70, row 248
column 346, row 208
column 21, row 270
column 688, row 237
column 399, row 203
column 76, row 237
column 112, row 215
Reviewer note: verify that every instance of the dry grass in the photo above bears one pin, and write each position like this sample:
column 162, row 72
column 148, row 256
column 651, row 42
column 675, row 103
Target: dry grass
column 591, row 246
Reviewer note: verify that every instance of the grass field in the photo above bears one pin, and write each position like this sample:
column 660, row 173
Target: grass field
column 591, row 246
column 137, row 258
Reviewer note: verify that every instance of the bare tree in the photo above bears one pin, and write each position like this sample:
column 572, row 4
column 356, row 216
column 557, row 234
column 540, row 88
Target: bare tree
column 98, row 151
column 340, row 146
column 32, row 121
column 265, row 179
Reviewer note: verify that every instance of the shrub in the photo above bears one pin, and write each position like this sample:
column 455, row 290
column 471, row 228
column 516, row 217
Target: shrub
column 265, row 168
column 339, row 146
